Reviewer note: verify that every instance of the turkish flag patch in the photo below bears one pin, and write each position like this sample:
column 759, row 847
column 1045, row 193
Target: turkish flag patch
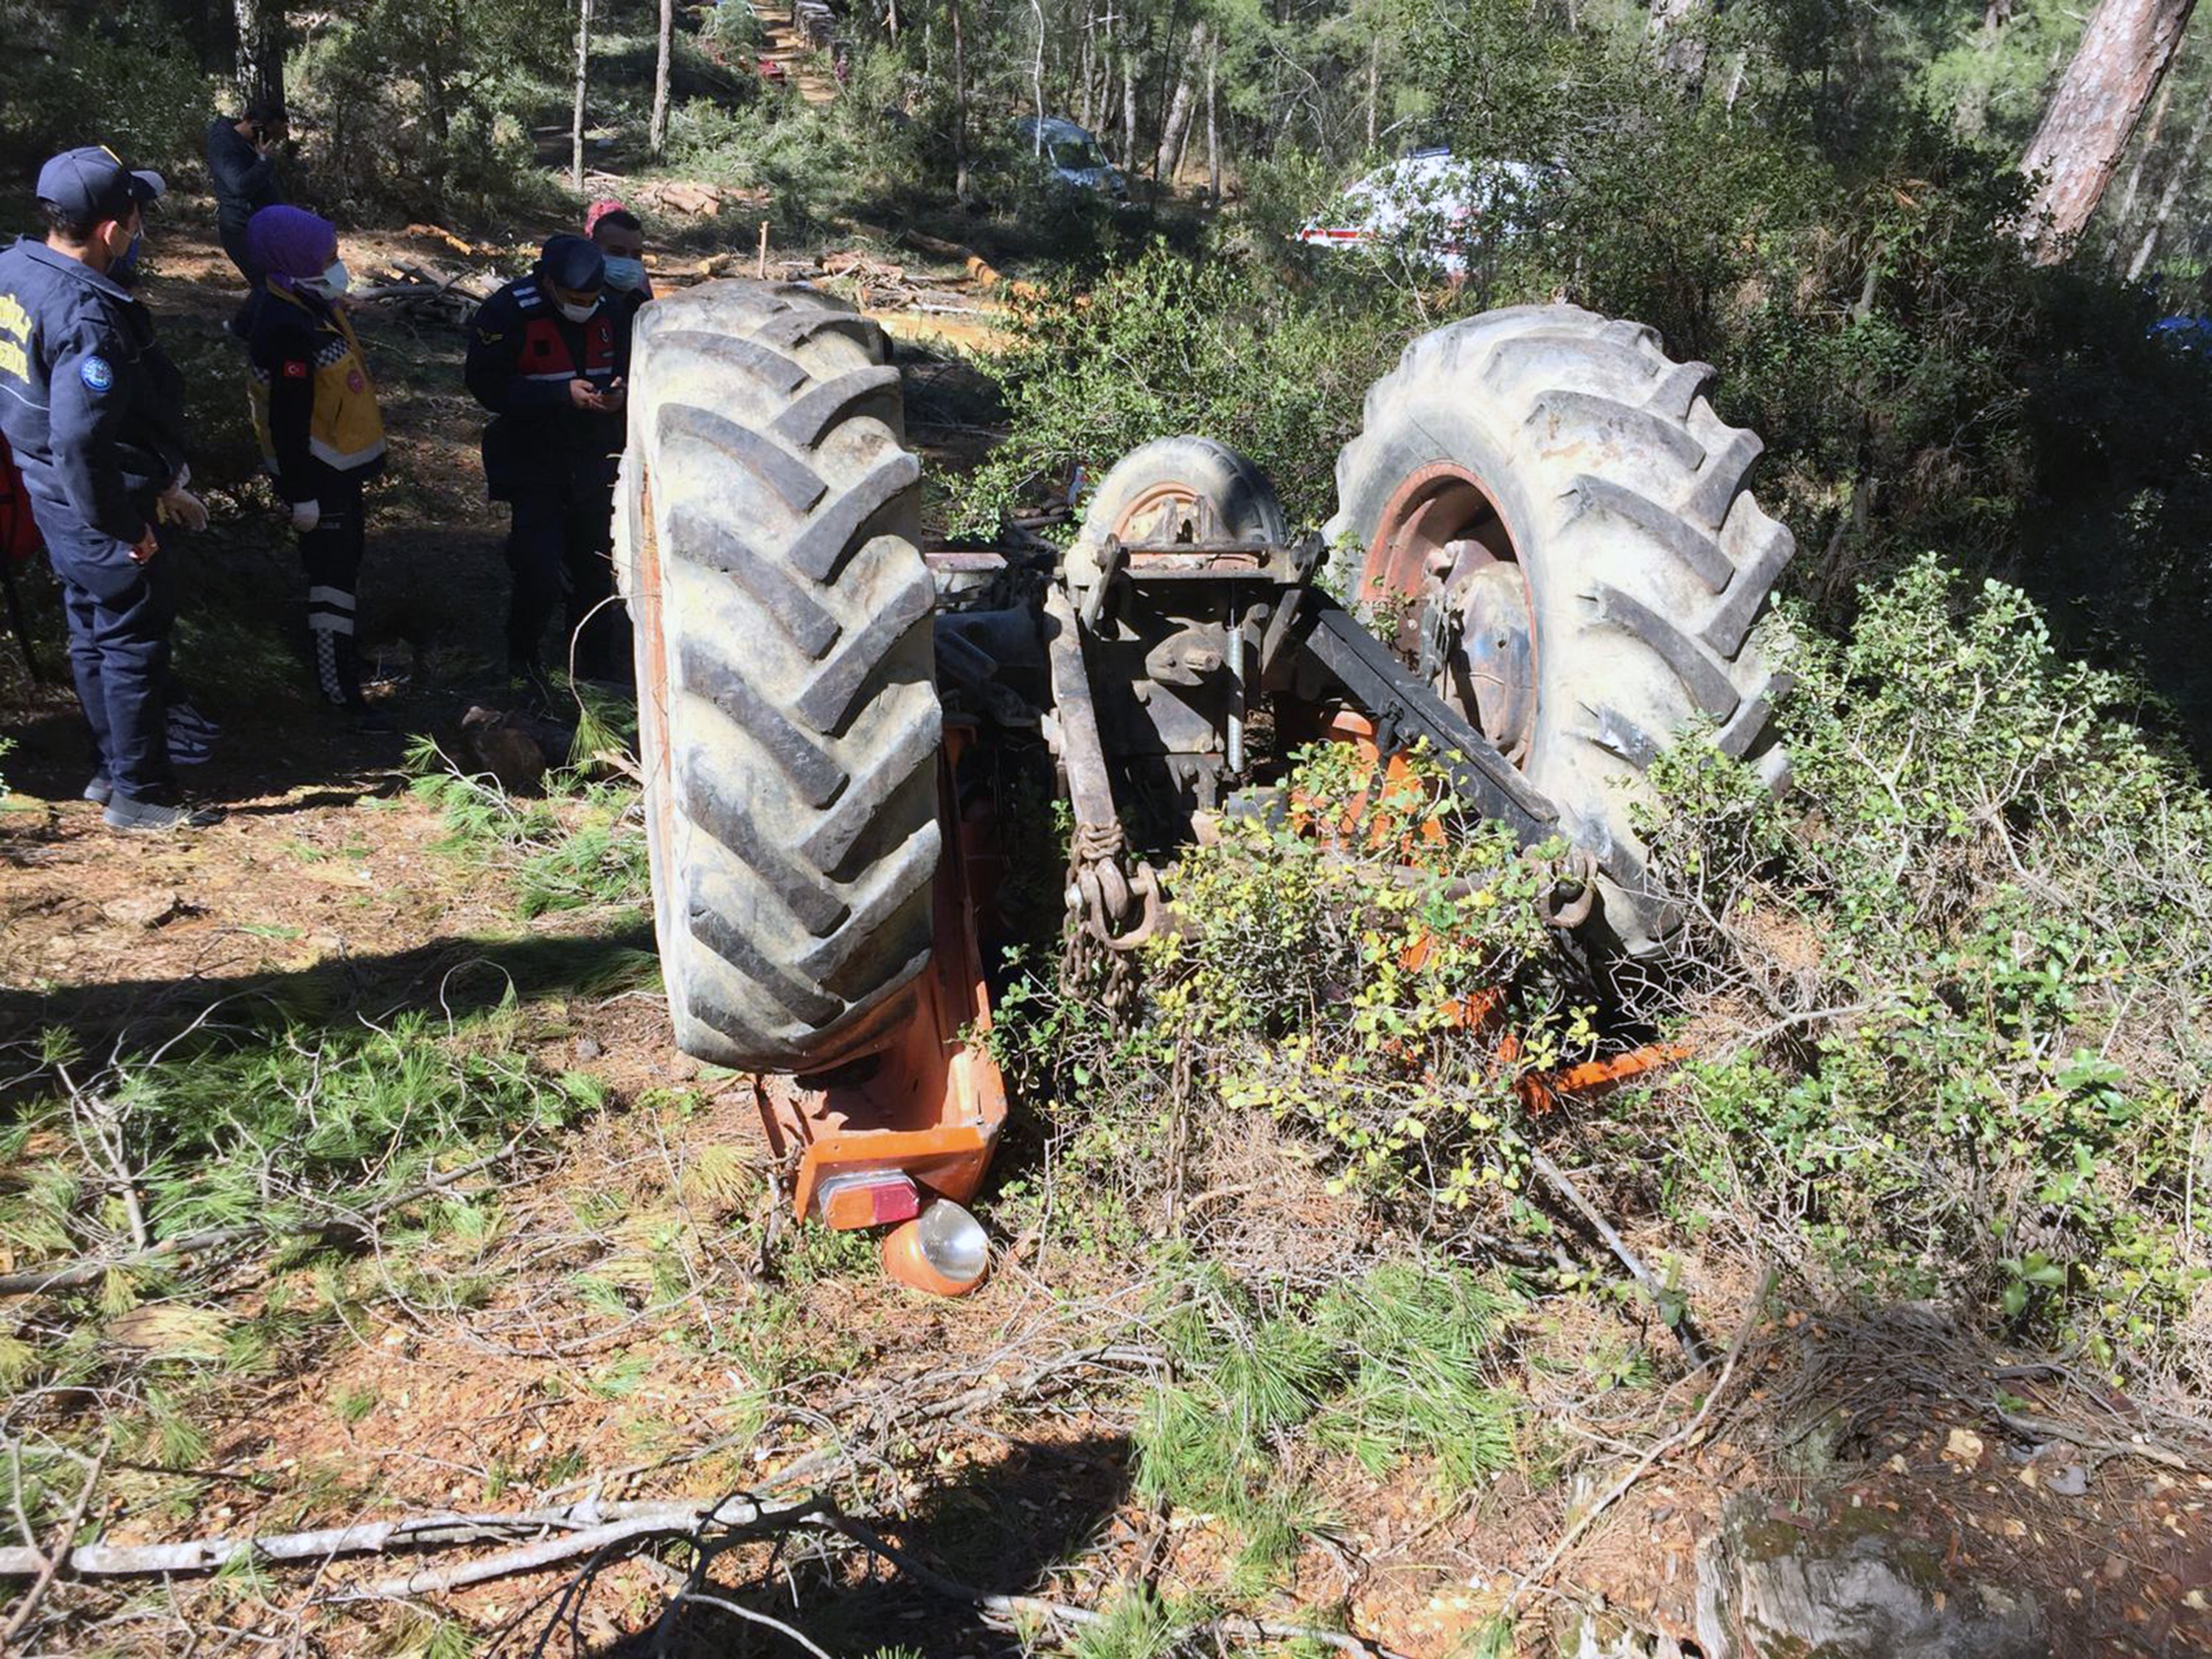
column 295, row 371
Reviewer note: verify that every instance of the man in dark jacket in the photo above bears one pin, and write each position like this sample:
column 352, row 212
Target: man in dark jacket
column 242, row 158
column 94, row 412
column 546, row 358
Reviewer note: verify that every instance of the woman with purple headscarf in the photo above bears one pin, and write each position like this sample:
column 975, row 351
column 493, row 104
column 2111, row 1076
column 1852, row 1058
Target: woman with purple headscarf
column 322, row 436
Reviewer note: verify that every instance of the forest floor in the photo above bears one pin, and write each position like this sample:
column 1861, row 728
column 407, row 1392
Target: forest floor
column 602, row 1302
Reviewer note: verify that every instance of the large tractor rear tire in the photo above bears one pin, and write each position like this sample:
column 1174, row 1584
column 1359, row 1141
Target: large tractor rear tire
column 767, row 540
column 1557, row 508
column 1179, row 489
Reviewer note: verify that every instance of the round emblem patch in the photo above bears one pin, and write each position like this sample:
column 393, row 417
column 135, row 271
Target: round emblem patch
column 95, row 373
column 354, row 381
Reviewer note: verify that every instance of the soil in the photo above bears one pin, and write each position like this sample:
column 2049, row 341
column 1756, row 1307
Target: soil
column 554, row 1376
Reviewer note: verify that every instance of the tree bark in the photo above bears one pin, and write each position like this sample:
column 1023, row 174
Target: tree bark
column 1175, row 128
column 261, row 55
column 583, row 84
column 1677, row 34
column 2123, row 55
column 1129, row 109
column 2185, row 165
column 2129, row 191
column 959, row 105
column 656, row 132
column 1212, row 129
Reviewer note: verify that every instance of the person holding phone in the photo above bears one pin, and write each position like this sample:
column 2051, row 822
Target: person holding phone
column 242, row 158
column 546, row 358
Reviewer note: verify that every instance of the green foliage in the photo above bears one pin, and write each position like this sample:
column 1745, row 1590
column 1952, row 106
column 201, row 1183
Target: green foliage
column 2003, row 888
column 582, row 847
column 1161, row 344
column 260, row 1127
column 1398, row 1365
column 64, row 76
column 1386, row 947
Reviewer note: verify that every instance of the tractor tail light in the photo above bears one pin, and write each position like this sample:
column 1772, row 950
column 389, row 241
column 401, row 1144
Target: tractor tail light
column 868, row 1199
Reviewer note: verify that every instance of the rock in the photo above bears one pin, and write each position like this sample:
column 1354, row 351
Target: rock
column 1855, row 1587
column 149, row 910
column 517, row 750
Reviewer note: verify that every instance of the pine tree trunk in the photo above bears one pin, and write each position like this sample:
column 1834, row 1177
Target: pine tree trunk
column 583, row 85
column 2123, row 55
column 1213, row 130
column 261, row 55
column 959, row 105
column 1176, row 127
column 656, row 132
column 1677, row 34
column 2185, row 166
column 2129, row 191
column 1129, row 110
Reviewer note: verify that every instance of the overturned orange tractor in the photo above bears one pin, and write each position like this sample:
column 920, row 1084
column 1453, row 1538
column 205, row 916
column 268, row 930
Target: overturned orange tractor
column 1548, row 508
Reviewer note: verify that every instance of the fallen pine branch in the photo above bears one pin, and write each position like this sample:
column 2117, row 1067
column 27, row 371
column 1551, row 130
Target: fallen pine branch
column 1684, row 1328
column 54, row 1561
column 588, row 1526
column 891, row 1410
column 75, row 1275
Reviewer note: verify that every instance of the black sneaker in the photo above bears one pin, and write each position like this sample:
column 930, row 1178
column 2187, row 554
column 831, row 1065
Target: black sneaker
column 100, row 789
column 125, row 813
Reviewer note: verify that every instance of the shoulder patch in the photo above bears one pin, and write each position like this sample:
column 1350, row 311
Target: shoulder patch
column 96, row 373
column 295, row 370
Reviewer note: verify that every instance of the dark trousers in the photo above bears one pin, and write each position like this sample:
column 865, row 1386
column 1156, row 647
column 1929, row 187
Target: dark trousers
column 560, row 541
column 118, row 646
column 233, row 237
column 331, row 554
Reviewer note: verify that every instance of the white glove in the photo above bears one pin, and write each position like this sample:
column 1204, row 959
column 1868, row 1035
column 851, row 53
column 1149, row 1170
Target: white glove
column 186, row 508
column 306, row 515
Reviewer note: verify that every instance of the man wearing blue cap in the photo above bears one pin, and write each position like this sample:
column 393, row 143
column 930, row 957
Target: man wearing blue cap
column 94, row 412
column 546, row 358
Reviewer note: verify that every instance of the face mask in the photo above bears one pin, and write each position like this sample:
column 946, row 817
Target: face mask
column 577, row 313
column 124, row 266
column 331, row 283
column 626, row 274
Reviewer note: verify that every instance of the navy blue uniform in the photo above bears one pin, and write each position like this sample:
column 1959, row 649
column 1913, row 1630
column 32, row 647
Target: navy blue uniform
column 555, row 463
column 94, row 412
column 244, row 182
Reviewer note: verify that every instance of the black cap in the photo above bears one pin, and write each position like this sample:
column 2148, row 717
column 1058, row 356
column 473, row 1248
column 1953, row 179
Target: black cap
column 574, row 263
column 92, row 184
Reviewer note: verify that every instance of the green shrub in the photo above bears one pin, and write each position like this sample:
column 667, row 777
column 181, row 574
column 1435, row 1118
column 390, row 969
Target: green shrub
column 1164, row 345
column 1979, row 935
column 1374, row 967
column 126, row 78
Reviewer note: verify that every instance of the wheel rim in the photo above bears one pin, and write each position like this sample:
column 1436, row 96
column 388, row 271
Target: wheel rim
column 1168, row 511
column 1442, row 546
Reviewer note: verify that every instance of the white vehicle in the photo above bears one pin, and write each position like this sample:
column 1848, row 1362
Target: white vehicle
column 1428, row 204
